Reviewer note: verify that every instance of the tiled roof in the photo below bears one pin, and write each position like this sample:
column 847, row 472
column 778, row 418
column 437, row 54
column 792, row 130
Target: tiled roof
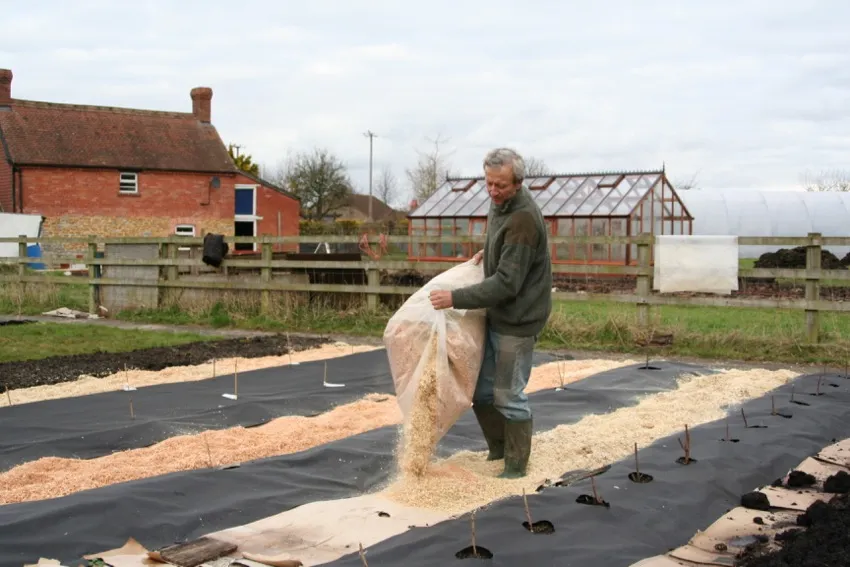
column 46, row 133
column 380, row 210
column 269, row 184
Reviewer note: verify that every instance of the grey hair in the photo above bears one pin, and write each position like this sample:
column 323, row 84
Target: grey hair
column 506, row 156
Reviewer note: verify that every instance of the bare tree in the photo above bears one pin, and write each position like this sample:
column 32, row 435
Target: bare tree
column 535, row 167
column 430, row 172
column 321, row 181
column 828, row 180
column 686, row 184
column 387, row 187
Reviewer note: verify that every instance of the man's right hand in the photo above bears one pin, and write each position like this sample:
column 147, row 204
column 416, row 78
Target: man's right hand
column 478, row 257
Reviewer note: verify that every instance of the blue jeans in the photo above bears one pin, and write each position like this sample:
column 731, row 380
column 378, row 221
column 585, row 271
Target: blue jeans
column 504, row 374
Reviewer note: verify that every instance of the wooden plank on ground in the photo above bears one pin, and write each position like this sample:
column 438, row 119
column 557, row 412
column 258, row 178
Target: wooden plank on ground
column 193, row 553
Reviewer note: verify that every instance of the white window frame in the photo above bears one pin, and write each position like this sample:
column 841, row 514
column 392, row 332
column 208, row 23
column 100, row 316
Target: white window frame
column 249, row 218
column 131, row 178
column 184, row 226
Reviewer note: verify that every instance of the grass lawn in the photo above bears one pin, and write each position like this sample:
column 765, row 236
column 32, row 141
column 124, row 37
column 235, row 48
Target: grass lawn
column 757, row 335
column 706, row 332
column 40, row 340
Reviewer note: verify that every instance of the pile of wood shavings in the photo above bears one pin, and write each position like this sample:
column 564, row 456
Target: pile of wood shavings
column 53, row 477
column 466, row 480
column 138, row 378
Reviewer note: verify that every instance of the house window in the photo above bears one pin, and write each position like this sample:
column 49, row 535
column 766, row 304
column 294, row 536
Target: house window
column 187, row 230
column 129, row 183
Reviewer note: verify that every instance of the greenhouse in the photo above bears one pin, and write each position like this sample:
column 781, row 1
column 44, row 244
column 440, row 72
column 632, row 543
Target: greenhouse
column 588, row 204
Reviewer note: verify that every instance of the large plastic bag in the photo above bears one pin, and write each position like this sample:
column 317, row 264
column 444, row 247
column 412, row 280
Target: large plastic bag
column 435, row 357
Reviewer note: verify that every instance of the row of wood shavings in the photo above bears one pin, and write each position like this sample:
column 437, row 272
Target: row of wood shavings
column 86, row 385
column 466, row 481
column 54, row 477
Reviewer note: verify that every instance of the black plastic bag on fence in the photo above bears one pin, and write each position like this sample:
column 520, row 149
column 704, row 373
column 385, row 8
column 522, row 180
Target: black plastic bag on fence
column 215, row 249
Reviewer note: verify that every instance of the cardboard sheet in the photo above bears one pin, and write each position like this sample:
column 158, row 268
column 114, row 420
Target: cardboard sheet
column 837, row 453
column 323, row 531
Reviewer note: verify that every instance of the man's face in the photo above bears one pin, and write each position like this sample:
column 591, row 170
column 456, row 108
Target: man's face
column 500, row 183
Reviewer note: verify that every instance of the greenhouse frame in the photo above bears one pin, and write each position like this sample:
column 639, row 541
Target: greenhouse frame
column 580, row 204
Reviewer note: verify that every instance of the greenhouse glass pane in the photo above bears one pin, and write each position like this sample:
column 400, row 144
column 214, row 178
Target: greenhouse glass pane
column 593, row 200
column 612, row 199
column 542, row 197
column 582, row 228
column 609, row 179
column 445, row 202
column 618, row 251
column 599, row 227
column 461, row 205
column 562, row 195
column 564, row 251
column 438, row 195
column 587, row 188
column 634, row 196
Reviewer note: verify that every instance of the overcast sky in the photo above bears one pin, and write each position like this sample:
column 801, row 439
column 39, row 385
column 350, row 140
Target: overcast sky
column 739, row 93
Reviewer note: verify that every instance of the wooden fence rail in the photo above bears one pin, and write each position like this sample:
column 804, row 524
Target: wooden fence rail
column 168, row 263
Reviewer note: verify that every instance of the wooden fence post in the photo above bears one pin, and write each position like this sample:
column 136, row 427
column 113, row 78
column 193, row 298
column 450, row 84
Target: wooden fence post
column 22, row 254
column 373, row 279
column 813, row 268
column 266, row 275
column 644, row 281
column 92, row 268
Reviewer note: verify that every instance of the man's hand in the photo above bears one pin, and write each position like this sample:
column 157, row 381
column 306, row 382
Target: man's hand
column 441, row 299
column 478, row 257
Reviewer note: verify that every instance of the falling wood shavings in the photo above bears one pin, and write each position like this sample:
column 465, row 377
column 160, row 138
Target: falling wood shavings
column 466, row 480
column 53, row 477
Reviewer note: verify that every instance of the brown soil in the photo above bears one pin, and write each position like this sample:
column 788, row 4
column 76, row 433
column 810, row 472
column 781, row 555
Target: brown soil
column 59, row 369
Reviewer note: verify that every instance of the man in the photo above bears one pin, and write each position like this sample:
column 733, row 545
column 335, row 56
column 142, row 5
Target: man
column 517, row 294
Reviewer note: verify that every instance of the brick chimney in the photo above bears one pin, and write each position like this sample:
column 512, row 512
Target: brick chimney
column 201, row 106
column 5, row 87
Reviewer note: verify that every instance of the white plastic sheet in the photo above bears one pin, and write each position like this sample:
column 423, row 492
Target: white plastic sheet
column 707, row 264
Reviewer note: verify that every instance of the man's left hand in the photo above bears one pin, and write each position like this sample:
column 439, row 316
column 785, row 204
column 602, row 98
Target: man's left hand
column 441, row 299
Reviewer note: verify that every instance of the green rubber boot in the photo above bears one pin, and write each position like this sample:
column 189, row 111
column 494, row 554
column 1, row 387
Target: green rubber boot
column 517, row 448
column 493, row 426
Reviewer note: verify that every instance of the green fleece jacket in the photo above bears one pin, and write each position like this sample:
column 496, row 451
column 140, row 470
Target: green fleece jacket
column 517, row 289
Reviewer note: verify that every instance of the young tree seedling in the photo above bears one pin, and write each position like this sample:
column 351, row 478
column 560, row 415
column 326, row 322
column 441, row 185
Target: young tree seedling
column 817, row 391
column 596, row 498
column 527, row 511
column 743, row 415
column 213, row 367
column 637, row 464
column 472, row 526
column 363, row 556
column 772, row 405
column 727, row 430
column 235, row 379
column 8, row 395
column 132, row 413
column 209, row 453
column 562, row 371
column 686, row 446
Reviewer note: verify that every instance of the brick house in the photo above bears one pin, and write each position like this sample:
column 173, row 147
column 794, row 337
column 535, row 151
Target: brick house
column 112, row 172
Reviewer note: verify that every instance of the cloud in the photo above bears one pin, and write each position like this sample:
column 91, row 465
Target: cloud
column 748, row 93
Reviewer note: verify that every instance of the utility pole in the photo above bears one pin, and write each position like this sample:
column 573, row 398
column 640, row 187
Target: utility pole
column 370, row 135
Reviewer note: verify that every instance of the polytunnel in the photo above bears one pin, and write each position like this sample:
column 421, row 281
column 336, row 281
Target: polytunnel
column 750, row 212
